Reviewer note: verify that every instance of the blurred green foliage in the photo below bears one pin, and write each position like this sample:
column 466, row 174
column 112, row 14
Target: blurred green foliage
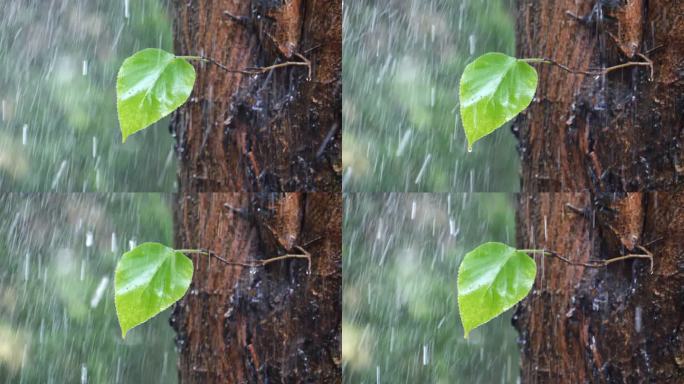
column 58, row 123
column 400, row 320
column 57, row 251
column 59, row 132
column 402, row 61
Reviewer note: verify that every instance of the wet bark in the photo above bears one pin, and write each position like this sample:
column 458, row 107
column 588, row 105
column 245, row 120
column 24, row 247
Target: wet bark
column 244, row 134
column 277, row 323
column 584, row 142
column 279, row 130
column 623, row 132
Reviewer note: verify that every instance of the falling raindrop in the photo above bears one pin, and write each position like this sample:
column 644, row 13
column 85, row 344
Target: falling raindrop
column 99, row 292
column 27, row 266
column 114, row 245
column 472, row 40
column 426, row 358
column 422, row 168
column 89, row 239
column 58, row 176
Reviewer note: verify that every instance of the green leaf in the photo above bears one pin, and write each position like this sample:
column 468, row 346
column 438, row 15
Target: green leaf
column 494, row 89
column 491, row 279
column 151, row 84
column 149, row 278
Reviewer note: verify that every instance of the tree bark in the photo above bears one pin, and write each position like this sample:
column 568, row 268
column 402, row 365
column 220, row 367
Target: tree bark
column 264, row 117
column 621, row 132
column 279, row 130
column 276, row 323
column 601, row 167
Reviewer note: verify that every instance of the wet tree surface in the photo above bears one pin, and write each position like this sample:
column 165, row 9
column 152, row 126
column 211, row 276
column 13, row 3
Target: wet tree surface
column 273, row 324
column 618, row 132
column 241, row 138
column 585, row 143
column 275, row 131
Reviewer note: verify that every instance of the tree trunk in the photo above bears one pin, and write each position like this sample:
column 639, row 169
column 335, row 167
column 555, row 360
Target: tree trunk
column 584, row 143
column 275, row 131
column 249, row 131
column 621, row 132
column 272, row 324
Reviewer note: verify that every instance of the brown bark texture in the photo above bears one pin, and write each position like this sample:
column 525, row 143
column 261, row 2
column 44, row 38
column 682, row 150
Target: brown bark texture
column 277, row 323
column 259, row 144
column 277, row 130
column 616, row 324
column 602, row 161
column 620, row 132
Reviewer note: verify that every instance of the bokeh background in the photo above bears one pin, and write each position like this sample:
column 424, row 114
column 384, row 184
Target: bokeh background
column 400, row 320
column 402, row 60
column 58, row 324
column 58, row 123
column 59, row 133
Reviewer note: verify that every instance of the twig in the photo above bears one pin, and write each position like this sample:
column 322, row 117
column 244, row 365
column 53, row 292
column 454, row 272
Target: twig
column 596, row 263
column 255, row 70
column 647, row 63
column 256, row 263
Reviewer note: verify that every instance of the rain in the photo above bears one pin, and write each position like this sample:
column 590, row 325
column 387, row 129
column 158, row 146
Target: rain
column 402, row 132
column 400, row 320
column 401, row 66
column 58, row 125
column 57, row 320
column 59, row 133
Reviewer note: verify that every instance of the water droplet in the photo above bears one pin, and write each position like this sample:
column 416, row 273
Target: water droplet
column 115, row 247
column 89, row 239
column 99, row 292
column 472, row 41
column 127, row 12
column 470, row 149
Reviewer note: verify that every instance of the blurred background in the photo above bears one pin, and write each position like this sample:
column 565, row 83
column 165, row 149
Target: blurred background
column 59, row 133
column 58, row 122
column 402, row 61
column 400, row 321
column 58, row 324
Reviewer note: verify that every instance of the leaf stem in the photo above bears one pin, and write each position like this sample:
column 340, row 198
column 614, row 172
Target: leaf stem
column 256, row 263
column 192, row 58
column 254, row 70
column 595, row 263
column 646, row 63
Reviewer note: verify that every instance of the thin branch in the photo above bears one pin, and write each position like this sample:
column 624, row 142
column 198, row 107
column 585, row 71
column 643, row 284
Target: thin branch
column 256, row 263
column 254, row 70
column 596, row 263
column 647, row 63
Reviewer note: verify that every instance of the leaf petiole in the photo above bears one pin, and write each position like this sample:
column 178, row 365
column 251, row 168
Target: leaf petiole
column 200, row 58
